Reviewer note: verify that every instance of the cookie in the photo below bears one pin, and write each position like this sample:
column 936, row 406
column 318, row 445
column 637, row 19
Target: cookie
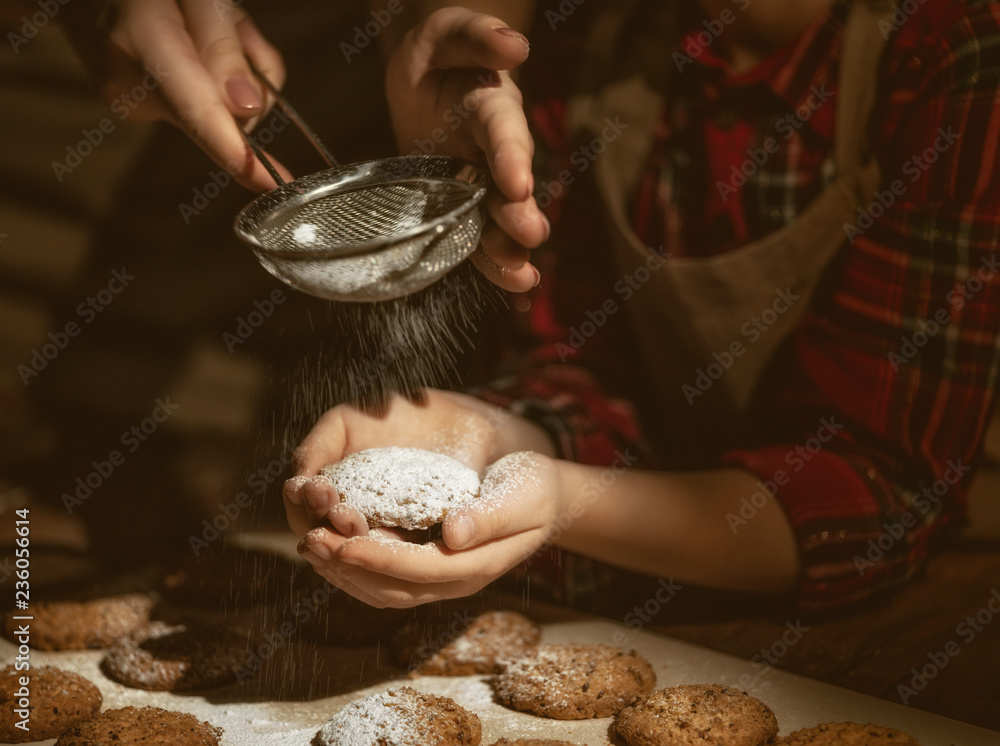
column 573, row 682
column 848, row 734
column 175, row 658
column 697, row 714
column 402, row 487
column 231, row 577
column 58, row 700
column 148, row 726
column 459, row 645
column 83, row 624
column 532, row 742
column 401, row 717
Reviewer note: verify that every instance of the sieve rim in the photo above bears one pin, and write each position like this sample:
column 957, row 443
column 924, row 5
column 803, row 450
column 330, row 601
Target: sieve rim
column 352, row 177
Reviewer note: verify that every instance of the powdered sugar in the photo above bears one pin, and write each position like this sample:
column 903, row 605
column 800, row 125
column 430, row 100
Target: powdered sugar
column 400, row 717
column 509, row 475
column 385, row 717
column 405, row 487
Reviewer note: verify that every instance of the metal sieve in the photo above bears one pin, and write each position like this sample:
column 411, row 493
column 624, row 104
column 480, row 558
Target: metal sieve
column 368, row 231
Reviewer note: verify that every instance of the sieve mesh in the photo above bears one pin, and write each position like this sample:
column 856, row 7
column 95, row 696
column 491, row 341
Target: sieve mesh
column 368, row 231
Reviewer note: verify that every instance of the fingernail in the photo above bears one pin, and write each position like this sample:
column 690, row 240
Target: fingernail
column 463, row 532
column 293, row 490
column 538, row 277
column 243, row 93
column 322, row 551
column 316, row 499
column 311, row 558
column 348, row 559
column 512, row 34
column 344, row 520
column 490, row 79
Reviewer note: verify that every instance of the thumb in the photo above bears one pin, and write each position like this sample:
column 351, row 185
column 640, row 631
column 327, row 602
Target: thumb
column 511, row 501
column 461, row 38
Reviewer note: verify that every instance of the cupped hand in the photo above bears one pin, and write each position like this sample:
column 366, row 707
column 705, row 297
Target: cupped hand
column 185, row 61
column 450, row 93
column 460, row 426
column 519, row 504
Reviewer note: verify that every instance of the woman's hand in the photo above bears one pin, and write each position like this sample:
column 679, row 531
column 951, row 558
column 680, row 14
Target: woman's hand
column 189, row 58
column 450, row 93
column 519, row 502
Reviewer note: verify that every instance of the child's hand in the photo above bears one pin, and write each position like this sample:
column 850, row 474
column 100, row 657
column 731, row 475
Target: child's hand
column 463, row 427
column 449, row 94
column 520, row 501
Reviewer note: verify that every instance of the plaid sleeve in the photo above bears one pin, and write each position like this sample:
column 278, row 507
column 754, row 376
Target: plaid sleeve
column 904, row 356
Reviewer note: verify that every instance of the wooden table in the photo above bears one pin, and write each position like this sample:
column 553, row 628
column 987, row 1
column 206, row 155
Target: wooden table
column 873, row 650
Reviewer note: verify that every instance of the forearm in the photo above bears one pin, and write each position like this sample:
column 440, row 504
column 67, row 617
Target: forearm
column 675, row 525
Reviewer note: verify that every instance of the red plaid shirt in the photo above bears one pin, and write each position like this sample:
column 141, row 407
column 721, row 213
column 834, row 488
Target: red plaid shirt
column 880, row 418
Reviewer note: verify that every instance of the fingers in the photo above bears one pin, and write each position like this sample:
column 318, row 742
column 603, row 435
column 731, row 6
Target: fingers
column 196, row 54
column 313, row 502
column 212, row 27
column 500, row 130
column 522, row 221
column 504, row 262
column 513, row 500
column 347, row 520
column 461, row 38
column 325, row 444
column 395, row 573
column 266, row 58
column 434, row 563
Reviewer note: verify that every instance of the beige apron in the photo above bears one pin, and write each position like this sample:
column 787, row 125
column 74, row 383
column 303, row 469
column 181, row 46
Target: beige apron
column 690, row 311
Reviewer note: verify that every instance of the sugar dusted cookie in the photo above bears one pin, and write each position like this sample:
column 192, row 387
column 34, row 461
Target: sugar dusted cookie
column 175, row 658
column 401, row 717
column 848, row 734
column 697, row 715
column 574, row 682
column 148, row 726
column 59, row 699
column 453, row 645
column 402, row 487
column 532, row 742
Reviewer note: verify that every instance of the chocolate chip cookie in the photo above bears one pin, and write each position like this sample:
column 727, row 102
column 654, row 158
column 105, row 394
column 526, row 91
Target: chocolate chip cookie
column 57, row 699
column 401, row 717
column 696, row 715
column 456, row 644
column 574, row 682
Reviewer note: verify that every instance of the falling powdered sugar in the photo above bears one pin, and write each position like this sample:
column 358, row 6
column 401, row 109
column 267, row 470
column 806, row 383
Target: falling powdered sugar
column 405, row 487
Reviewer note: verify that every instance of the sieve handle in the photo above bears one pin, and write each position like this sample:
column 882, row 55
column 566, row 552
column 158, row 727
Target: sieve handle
column 304, row 128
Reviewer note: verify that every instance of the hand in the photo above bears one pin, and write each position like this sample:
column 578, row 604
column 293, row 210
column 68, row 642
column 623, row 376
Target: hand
column 460, row 426
column 463, row 427
column 189, row 59
column 518, row 506
column 450, row 93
